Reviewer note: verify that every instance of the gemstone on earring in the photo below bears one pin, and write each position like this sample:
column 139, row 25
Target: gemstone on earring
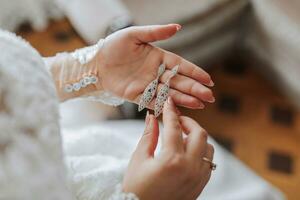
column 76, row 86
column 150, row 90
column 148, row 95
column 160, row 100
column 163, row 93
column 174, row 71
column 68, row 88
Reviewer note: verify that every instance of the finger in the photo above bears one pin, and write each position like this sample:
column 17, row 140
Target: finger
column 209, row 155
column 197, row 137
column 172, row 137
column 187, row 68
column 188, row 86
column 146, row 34
column 179, row 99
column 148, row 143
column 210, row 151
column 182, row 99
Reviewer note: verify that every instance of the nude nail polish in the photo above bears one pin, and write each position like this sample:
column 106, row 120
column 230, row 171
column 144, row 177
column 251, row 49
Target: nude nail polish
column 170, row 101
column 211, row 83
column 147, row 117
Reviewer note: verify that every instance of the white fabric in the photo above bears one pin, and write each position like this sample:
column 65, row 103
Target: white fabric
column 274, row 37
column 31, row 159
column 102, row 150
column 36, row 12
column 92, row 18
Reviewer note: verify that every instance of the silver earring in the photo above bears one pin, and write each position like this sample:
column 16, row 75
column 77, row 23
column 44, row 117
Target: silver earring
column 150, row 90
column 163, row 93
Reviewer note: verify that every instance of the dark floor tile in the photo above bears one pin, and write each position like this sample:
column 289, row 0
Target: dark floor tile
column 235, row 65
column 284, row 116
column 280, row 162
column 25, row 28
column 228, row 103
column 63, row 36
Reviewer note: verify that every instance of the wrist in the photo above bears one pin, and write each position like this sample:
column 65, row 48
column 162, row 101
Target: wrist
column 71, row 78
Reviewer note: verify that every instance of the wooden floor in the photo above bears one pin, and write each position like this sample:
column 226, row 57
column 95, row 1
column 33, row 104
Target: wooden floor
column 257, row 124
column 250, row 118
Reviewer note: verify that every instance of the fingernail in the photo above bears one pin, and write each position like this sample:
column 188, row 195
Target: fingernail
column 170, row 101
column 201, row 106
column 178, row 27
column 211, row 83
column 212, row 100
column 147, row 117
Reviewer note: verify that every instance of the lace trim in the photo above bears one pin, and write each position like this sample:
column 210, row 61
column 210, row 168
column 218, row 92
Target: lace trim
column 119, row 195
column 85, row 55
column 104, row 97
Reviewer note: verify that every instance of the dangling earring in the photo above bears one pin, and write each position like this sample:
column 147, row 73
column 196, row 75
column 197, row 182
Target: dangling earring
column 150, row 90
column 163, row 93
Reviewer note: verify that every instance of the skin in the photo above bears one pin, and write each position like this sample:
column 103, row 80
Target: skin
column 136, row 67
column 178, row 170
column 125, row 65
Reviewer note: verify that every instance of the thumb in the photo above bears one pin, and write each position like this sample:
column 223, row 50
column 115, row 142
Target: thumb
column 147, row 144
column 146, row 34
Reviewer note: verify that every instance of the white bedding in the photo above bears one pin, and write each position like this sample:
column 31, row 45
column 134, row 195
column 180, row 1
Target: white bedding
column 98, row 154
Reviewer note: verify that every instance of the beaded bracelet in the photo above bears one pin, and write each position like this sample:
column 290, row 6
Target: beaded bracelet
column 82, row 83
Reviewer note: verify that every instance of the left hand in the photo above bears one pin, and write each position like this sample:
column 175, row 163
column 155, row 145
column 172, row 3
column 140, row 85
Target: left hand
column 128, row 63
column 178, row 168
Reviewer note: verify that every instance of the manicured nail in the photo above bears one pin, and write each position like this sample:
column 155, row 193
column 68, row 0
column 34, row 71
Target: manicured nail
column 178, row 27
column 201, row 106
column 212, row 100
column 211, row 83
column 170, row 101
column 147, row 117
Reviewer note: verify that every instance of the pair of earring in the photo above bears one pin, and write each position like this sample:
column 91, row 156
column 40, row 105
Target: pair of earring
column 162, row 94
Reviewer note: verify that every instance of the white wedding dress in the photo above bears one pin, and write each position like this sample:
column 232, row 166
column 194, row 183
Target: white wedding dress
column 34, row 166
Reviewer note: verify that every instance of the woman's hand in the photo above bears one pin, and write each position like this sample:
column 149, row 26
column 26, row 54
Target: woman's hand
column 178, row 172
column 128, row 63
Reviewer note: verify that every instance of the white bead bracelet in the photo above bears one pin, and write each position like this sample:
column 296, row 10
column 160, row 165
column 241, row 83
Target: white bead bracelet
column 82, row 83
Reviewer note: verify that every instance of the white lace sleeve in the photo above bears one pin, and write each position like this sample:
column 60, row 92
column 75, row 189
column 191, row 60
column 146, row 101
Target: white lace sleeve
column 84, row 56
column 36, row 12
column 104, row 97
column 119, row 195
column 79, row 71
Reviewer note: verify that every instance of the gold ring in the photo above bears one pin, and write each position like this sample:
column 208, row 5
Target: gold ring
column 213, row 166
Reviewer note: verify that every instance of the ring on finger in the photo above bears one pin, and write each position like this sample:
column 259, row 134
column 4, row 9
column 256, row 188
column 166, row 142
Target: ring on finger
column 213, row 166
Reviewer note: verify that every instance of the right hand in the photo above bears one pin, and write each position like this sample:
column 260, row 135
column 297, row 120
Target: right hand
column 178, row 172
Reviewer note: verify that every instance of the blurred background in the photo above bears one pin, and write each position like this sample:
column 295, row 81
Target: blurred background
column 251, row 48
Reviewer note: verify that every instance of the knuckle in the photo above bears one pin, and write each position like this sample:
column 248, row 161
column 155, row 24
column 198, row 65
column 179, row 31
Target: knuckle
column 176, row 163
